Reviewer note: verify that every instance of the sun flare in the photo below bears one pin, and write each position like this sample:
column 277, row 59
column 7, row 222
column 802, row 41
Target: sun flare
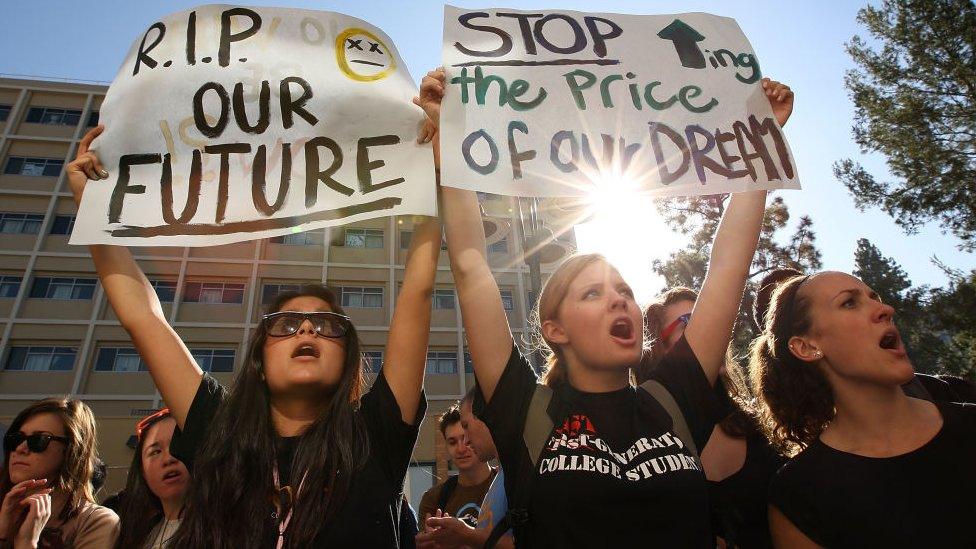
column 625, row 227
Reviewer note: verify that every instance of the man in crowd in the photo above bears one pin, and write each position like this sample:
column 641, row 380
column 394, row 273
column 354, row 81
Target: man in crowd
column 449, row 531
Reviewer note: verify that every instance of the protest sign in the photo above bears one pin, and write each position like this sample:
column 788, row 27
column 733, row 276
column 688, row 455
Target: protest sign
column 554, row 103
column 228, row 123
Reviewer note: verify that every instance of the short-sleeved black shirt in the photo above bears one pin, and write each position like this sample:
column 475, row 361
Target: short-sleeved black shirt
column 370, row 515
column 925, row 498
column 613, row 473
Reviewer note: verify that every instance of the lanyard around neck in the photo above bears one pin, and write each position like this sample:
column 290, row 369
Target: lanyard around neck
column 283, row 521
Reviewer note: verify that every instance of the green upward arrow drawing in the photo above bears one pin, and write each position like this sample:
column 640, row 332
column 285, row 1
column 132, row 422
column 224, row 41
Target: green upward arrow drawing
column 685, row 41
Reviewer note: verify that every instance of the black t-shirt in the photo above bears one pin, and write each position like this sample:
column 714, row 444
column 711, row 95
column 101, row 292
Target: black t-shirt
column 613, row 473
column 371, row 513
column 925, row 498
column 739, row 502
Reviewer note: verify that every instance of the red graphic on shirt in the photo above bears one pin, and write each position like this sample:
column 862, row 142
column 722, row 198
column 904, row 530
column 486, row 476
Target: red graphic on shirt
column 574, row 425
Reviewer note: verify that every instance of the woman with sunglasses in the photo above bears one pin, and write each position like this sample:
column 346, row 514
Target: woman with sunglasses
column 738, row 459
column 48, row 500
column 612, row 472
column 295, row 453
column 873, row 467
column 153, row 506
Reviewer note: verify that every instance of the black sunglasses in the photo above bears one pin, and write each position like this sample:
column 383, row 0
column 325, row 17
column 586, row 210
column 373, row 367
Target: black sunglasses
column 37, row 443
column 287, row 323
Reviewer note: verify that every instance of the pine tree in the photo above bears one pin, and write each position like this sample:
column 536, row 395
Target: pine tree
column 915, row 103
column 699, row 216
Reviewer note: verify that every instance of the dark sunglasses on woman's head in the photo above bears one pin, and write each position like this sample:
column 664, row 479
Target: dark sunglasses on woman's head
column 37, row 442
column 680, row 321
column 287, row 323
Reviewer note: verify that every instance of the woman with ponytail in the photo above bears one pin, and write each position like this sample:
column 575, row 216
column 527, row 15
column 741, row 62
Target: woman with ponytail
column 873, row 467
column 613, row 472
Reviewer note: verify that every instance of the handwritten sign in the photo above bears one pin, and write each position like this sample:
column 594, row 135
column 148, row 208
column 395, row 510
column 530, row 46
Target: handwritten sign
column 554, row 103
column 228, row 123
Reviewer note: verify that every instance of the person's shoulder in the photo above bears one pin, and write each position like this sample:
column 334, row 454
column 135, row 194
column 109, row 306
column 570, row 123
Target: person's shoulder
column 958, row 415
column 803, row 465
column 434, row 490
column 93, row 519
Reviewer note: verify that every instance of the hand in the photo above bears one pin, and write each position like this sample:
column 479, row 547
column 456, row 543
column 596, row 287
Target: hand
column 448, row 531
column 38, row 512
column 780, row 99
column 431, row 94
column 11, row 509
column 86, row 165
column 429, row 133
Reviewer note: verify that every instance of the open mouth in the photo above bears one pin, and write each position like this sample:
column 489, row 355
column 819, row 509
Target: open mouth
column 890, row 341
column 306, row 349
column 171, row 475
column 622, row 328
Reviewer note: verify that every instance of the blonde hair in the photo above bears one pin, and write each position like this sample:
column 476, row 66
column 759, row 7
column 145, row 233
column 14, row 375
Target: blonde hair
column 547, row 308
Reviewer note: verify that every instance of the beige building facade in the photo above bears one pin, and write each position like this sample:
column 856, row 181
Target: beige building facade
column 59, row 336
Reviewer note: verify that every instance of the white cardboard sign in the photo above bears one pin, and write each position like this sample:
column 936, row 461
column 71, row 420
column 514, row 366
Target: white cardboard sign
column 554, row 103
column 229, row 123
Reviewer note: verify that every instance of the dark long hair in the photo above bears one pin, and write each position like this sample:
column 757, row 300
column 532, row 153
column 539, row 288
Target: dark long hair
column 796, row 401
column 232, row 477
column 80, row 455
column 141, row 509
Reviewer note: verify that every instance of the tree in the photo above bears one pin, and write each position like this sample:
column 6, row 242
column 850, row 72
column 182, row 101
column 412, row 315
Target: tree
column 915, row 103
column 952, row 307
column 699, row 216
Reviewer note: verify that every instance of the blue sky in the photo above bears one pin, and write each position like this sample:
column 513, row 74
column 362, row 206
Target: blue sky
column 800, row 43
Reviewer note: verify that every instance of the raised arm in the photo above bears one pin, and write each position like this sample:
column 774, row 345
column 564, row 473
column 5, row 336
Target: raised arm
column 135, row 302
column 485, row 323
column 406, row 348
column 713, row 318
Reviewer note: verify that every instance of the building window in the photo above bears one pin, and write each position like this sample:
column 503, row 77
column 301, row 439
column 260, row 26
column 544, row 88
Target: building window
column 441, row 362
column 500, row 247
column 405, row 237
column 468, row 365
column 41, row 359
column 165, row 290
column 364, row 238
column 46, row 287
column 443, row 299
column 53, row 116
column 92, row 119
column 270, row 291
column 362, row 298
column 20, row 223
column 508, row 300
column 23, row 165
column 213, row 292
column 9, row 285
column 63, row 224
column 214, row 360
column 119, row 359
column 308, row 238
column 4, row 112
column 373, row 360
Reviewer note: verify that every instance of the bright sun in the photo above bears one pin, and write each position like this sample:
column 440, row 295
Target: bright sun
column 626, row 228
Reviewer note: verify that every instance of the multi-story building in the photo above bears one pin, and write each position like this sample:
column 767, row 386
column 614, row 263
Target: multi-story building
column 59, row 336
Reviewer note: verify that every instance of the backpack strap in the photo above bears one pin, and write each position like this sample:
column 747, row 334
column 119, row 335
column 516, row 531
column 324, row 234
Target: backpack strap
column 447, row 490
column 538, row 426
column 497, row 531
column 664, row 398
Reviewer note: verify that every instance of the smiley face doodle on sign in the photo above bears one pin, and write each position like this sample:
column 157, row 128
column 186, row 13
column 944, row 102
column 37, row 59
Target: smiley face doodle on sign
column 362, row 56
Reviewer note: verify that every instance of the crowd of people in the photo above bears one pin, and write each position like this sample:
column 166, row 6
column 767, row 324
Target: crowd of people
column 643, row 429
